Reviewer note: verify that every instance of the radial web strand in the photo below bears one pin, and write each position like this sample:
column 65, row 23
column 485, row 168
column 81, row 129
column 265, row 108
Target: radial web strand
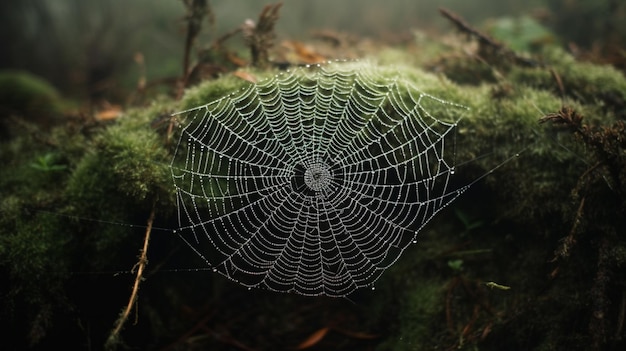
column 314, row 181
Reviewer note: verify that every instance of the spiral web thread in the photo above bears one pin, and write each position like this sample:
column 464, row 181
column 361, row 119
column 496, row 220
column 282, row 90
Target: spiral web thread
column 314, row 181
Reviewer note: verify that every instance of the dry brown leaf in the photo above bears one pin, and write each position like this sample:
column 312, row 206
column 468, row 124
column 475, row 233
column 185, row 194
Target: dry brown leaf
column 247, row 76
column 111, row 112
column 236, row 60
column 304, row 53
column 313, row 339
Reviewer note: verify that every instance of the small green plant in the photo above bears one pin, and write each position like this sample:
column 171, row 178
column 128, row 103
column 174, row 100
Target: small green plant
column 47, row 163
column 456, row 265
column 469, row 223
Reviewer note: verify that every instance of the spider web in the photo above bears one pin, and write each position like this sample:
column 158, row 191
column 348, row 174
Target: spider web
column 314, row 181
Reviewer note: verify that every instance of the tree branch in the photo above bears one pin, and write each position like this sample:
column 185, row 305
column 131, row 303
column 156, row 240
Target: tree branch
column 113, row 340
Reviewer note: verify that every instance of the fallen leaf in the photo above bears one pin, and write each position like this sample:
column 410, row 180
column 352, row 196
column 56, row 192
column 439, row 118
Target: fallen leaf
column 111, row 112
column 245, row 76
column 313, row 339
column 304, row 53
column 233, row 58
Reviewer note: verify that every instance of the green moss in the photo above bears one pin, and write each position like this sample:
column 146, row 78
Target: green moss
column 34, row 259
column 29, row 96
column 35, row 249
column 209, row 91
column 128, row 158
column 586, row 82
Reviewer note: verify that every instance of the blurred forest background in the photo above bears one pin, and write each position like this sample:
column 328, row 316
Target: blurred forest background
column 89, row 48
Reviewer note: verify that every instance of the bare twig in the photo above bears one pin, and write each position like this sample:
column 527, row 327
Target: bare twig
column 260, row 36
column 485, row 40
column 219, row 41
column 465, row 27
column 197, row 10
column 113, row 339
column 569, row 241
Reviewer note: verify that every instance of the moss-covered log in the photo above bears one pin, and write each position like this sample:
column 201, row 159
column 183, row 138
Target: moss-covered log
column 544, row 222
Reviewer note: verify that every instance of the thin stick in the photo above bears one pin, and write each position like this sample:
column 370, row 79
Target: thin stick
column 471, row 31
column 485, row 39
column 113, row 340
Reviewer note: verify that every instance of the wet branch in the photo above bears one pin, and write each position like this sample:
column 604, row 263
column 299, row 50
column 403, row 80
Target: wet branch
column 486, row 42
column 196, row 11
column 260, row 36
column 113, row 340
